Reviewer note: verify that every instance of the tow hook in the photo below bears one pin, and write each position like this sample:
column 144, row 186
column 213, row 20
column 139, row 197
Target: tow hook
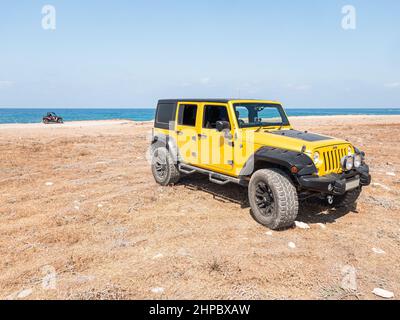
column 330, row 199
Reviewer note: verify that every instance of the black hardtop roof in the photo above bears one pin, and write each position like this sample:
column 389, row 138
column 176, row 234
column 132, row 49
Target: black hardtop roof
column 194, row 100
column 207, row 100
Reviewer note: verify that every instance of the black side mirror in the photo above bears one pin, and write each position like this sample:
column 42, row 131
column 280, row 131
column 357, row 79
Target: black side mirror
column 223, row 125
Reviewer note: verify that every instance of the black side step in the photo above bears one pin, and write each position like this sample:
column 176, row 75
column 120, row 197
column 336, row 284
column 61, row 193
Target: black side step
column 217, row 178
column 186, row 169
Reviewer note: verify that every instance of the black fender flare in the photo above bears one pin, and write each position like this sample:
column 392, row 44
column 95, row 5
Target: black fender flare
column 281, row 157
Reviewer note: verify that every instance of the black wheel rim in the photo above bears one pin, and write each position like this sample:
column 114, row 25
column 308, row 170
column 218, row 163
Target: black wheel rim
column 265, row 199
column 160, row 164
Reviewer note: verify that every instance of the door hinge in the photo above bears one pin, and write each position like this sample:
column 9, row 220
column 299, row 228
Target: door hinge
column 231, row 162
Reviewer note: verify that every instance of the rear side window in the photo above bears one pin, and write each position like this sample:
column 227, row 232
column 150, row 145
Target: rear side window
column 165, row 114
column 212, row 114
column 187, row 115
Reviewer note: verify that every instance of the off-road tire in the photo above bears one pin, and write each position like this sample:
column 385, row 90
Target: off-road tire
column 348, row 199
column 170, row 174
column 45, row 121
column 286, row 205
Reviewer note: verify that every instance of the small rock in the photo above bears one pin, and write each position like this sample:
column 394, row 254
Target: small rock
column 49, row 184
column 76, row 208
column 158, row 256
column 158, row 290
column 392, row 174
column 383, row 293
column 322, row 225
column 269, row 233
column 302, row 225
column 24, row 293
column 292, row 245
column 99, row 205
column 378, row 251
column 349, row 281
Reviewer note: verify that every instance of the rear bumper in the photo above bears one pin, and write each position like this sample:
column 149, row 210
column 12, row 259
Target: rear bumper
column 335, row 184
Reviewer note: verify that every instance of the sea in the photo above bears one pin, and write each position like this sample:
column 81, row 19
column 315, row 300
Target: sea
column 8, row 115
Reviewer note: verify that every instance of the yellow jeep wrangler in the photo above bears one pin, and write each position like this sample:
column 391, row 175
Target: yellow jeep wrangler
column 251, row 143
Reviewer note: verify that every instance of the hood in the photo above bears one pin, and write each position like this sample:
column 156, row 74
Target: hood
column 295, row 140
column 301, row 135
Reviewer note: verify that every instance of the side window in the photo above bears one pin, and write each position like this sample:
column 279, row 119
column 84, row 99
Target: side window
column 165, row 113
column 212, row 114
column 242, row 115
column 187, row 115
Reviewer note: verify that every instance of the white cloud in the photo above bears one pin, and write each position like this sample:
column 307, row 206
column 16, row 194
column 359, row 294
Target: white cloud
column 6, row 83
column 393, row 85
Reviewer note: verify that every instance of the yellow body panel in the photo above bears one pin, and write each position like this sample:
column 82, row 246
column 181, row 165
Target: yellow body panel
column 197, row 144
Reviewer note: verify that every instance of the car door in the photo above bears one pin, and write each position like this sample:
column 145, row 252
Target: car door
column 186, row 132
column 216, row 148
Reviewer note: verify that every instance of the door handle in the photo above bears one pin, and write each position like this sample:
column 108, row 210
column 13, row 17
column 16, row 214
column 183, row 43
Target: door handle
column 202, row 136
column 179, row 133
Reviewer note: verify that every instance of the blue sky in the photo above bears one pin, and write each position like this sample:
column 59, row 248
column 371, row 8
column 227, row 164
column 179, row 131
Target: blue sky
column 131, row 53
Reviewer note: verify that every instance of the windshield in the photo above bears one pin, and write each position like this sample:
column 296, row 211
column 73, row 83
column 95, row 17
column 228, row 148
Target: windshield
column 260, row 115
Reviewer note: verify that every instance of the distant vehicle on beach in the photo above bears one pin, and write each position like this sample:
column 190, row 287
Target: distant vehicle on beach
column 51, row 117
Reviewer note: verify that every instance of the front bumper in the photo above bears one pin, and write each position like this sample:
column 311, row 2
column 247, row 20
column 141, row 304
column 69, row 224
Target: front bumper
column 335, row 184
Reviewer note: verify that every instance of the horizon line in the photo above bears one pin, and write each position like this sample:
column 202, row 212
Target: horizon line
column 153, row 108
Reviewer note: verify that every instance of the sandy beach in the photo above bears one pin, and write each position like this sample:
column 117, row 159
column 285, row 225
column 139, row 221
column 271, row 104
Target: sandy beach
column 82, row 218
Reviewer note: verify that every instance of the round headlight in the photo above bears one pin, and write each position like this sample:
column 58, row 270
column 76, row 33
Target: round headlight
column 357, row 161
column 349, row 163
column 349, row 151
column 316, row 157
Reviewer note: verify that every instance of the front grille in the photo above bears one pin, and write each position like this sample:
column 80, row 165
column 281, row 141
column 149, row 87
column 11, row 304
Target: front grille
column 332, row 159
